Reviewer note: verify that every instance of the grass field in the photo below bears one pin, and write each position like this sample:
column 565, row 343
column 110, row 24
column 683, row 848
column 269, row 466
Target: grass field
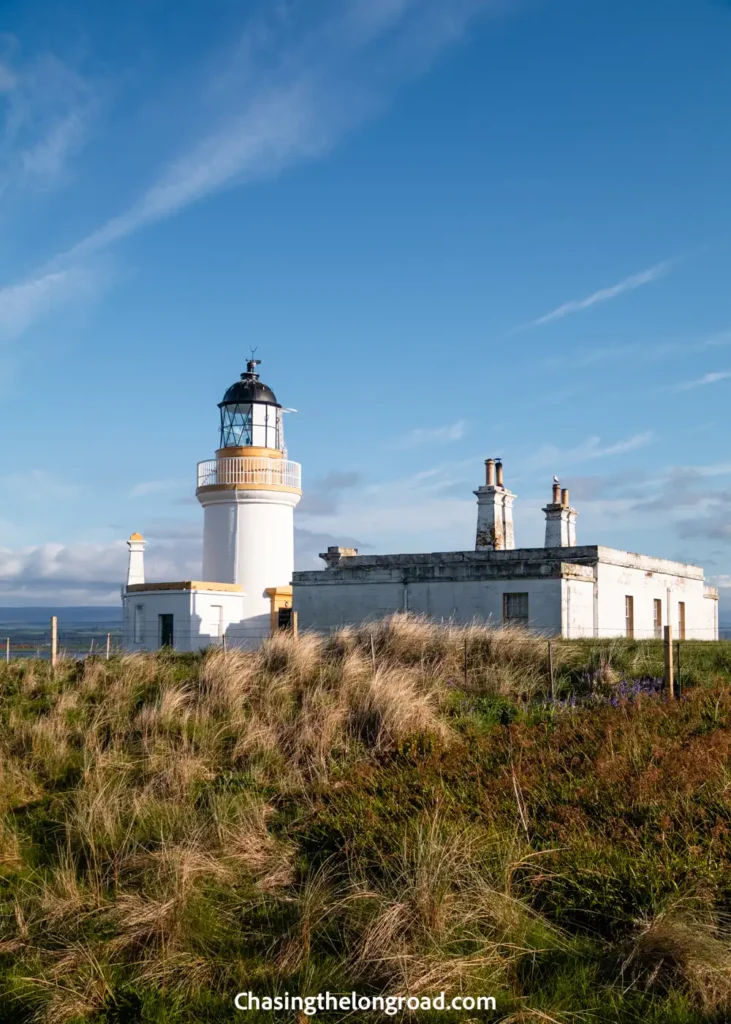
column 397, row 809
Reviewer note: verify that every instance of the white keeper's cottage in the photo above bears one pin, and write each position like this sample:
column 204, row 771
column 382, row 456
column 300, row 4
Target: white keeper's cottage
column 248, row 586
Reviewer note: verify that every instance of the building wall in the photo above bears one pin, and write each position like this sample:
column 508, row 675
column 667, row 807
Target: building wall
column 577, row 613
column 199, row 618
column 646, row 584
column 324, row 606
column 248, row 538
column 154, row 604
column 575, row 592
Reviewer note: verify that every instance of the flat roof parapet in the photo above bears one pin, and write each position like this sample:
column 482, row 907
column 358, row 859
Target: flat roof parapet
column 505, row 560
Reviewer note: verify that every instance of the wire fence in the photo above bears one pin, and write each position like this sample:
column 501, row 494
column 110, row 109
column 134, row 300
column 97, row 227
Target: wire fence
column 106, row 641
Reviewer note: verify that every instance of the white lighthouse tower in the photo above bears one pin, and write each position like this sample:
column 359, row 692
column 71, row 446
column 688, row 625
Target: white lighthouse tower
column 249, row 493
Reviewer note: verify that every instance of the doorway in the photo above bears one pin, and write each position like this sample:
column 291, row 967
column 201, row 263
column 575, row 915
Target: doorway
column 166, row 630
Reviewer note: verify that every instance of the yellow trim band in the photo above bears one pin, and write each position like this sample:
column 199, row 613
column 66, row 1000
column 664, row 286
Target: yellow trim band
column 139, row 588
column 247, row 487
column 249, row 453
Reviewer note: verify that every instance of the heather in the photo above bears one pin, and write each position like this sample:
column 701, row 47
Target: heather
column 399, row 808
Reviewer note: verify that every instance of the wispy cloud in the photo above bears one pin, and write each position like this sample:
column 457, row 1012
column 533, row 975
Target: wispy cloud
column 321, row 86
column 278, row 98
column 23, row 303
column 551, row 456
column 49, row 111
column 39, row 485
column 603, row 295
column 699, row 382
column 421, row 436
column 7, row 78
column 147, row 487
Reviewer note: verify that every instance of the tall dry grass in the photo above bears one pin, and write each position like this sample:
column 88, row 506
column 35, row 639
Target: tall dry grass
column 159, row 821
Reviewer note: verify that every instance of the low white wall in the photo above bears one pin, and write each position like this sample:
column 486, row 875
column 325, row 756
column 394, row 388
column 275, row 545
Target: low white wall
column 197, row 621
column 154, row 604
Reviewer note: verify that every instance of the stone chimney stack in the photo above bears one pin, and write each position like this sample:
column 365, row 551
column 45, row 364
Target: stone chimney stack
column 334, row 553
column 136, row 567
column 560, row 519
column 495, row 530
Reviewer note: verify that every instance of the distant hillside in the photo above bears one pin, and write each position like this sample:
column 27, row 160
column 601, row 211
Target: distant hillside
column 396, row 810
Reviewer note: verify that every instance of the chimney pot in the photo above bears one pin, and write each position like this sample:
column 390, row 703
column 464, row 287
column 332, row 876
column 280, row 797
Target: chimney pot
column 499, row 470
column 565, row 496
column 490, row 472
column 556, row 494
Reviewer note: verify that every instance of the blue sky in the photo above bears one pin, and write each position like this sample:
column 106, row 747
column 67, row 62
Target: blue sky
column 452, row 230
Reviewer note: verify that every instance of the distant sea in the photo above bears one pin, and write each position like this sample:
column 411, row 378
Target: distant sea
column 40, row 616
column 26, row 632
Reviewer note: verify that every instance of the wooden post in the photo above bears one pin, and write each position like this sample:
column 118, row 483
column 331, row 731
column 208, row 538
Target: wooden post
column 7, row 649
column 465, row 661
column 109, row 644
column 223, row 639
column 295, row 630
column 550, row 670
column 373, row 655
column 669, row 683
column 679, row 684
column 54, row 641
column 91, row 648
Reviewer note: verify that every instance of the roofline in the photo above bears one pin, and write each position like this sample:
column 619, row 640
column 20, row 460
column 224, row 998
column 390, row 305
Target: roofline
column 581, row 554
column 184, row 586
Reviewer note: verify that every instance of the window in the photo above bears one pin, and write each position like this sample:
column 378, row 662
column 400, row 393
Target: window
column 657, row 617
column 138, row 633
column 244, row 424
column 629, row 615
column 681, row 620
column 515, row 608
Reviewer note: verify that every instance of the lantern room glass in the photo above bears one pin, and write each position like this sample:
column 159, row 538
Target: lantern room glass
column 251, row 424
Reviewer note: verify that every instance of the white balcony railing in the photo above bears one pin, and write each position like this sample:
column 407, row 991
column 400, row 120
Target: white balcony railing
column 240, row 470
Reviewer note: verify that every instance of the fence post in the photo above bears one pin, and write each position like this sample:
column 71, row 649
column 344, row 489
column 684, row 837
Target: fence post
column 7, row 649
column 295, row 628
column 54, row 641
column 679, row 684
column 669, row 683
column 109, row 644
column 91, row 647
column 550, row 670
column 465, row 662
column 223, row 638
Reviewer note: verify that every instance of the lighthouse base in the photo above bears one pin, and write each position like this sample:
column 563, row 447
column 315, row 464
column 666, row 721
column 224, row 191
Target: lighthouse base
column 190, row 615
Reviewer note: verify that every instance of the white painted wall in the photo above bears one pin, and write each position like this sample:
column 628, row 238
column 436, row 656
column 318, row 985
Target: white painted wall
column 195, row 623
column 154, row 604
column 645, row 584
column 248, row 538
column 219, row 541
column 329, row 605
column 586, row 598
column 577, row 614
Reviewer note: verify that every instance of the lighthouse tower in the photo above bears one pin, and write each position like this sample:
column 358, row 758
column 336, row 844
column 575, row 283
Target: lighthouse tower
column 249, row 493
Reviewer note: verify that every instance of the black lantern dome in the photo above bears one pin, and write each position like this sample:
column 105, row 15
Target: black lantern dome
column 249, row 388
column 251, row 416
